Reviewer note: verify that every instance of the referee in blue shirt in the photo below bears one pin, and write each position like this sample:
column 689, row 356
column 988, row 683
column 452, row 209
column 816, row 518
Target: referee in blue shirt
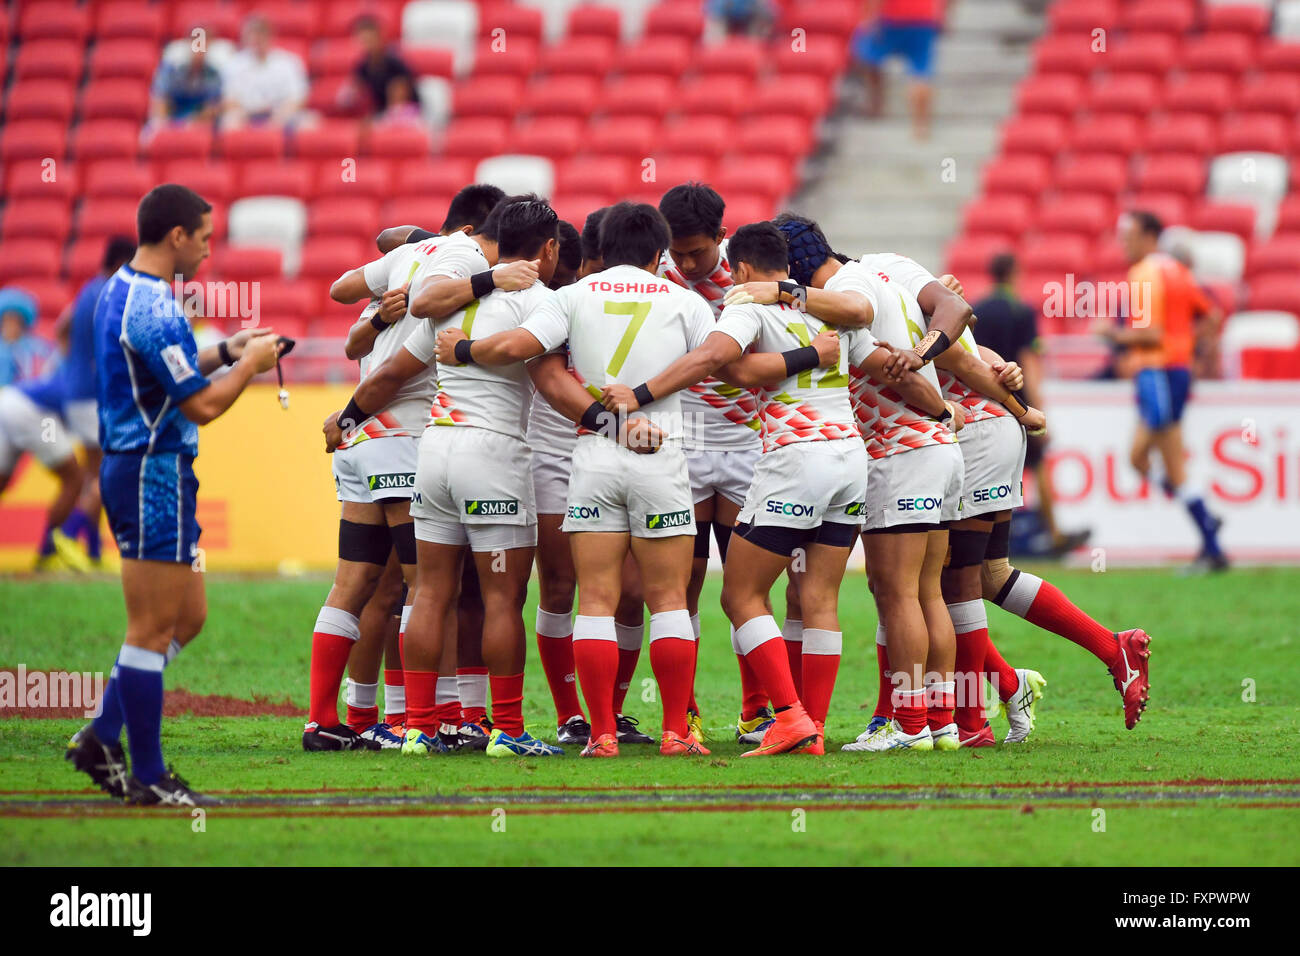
column 153, row 393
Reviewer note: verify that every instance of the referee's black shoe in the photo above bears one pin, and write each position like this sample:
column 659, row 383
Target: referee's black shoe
column 339, row 737
column 169, row 791
column 105, row 764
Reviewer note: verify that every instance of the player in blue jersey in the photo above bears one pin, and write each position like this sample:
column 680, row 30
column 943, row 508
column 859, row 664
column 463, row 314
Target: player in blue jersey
column 153, row 392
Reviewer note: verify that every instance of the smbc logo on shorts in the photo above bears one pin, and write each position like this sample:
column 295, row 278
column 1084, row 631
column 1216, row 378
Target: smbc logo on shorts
column 856, row 509
column 386, row 482
column 669, row 519
column 492, row 506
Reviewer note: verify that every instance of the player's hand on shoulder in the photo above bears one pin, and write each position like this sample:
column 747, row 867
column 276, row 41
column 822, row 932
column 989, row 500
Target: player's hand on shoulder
column 1035, row 421
column 394, row 304
column 1010, row 375
column 514, row 276
column 619, row 398
column 827, row 344
column 261, row 351
column 333, row 434
column 958, row 420
column 641, row 436
column 447, row 340
column 951, row 283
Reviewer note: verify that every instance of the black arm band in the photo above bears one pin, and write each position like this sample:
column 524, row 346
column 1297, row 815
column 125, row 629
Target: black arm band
column 593, row 419
column 352, row 415
column 462, row 351
column 378, row 323
column 642, row 395
column 939, row 343
column 946, row 416
column 802, row 359
column 481, row 283
column 223, row 350
column 798, row 294
column 418, row 235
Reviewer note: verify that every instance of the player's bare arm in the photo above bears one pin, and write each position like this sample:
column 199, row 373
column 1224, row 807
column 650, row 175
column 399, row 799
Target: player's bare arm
column 847, row 310
column 392, row 237
column 211, row 358
column 1009, row 374
column 948, row 316
column 974, row 372
column 768, row 368
column 503, row 348
column 362, row 335
column 550, row 374
column 439, row 296
column 258, row 355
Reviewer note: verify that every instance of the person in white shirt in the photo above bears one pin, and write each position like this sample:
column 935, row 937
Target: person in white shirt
column 262, row 83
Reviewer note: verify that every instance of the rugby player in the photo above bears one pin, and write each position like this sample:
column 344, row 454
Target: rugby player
column 153, row 392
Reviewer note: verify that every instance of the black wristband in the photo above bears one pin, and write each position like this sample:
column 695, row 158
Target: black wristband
column 352, row 415
column 223, row 350
column 481, row 283
column 947, row 414
column 593, row 419
column 418, row 235
column 642, row 395
column 938, row 344
column 378, row 323
column 802, row 359
column 462, row 351
column 798, row 294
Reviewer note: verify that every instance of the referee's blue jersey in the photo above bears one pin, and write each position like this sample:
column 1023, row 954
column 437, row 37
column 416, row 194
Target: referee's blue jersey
column 147, row 366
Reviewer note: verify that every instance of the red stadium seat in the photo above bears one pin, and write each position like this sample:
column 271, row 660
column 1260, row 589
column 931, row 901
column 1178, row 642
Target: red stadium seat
column 1153, row 53
column 1174, row 209
column 343, row 216
column 475, row 138
column 1058, row 93
column 123, row 99
column 331, row 96
column 1236, row 218
column 1180, row 173
column 1288, row 215
column 796, row 95
column 274, row 177
column 1208, row 93
column 1254, row 132
column 724, row 96
column 567, row 95
column 737, row 56
column 220, row 19
column 970, row 255
column 519, row 58
column 334, row 57
column 1055, row 254
column 674, row 168
column 369, row 176
column 820, row 16
column 133, row 19
column 1279, row 55
column 576, row 206
column 340, row 18
column 1124, row 93
column 789, row 137
column 398, row 139
column 1004, row 216
column 1182, row 133
column 430, row 60
column 1251, row 19
column 251, row 142
column 49, row 60
column 1169, row 16
column 706, row 135
column 1278, row 94
column 650, row 96
column 677, row 20
column 1106, row 133
column 1279, row 254
column 1069, row 53
column 438, row 176
column 40, row 100
column 185, row 141
column 39, row 259
column 491, row 95
column 590, row 19
column 105, row 139
column 515, row 19
column 1083, row 214
column 818, row 54
column 744, row 208
column 1280, row 293
column 282, row 305
column 428, row 210
column 53, row 21
column 1218, row 53
column 555, row 137
column 290, row 20
column 1033, row 134
column 118, row 177
column 588, row 56
column 594, row 174
column 1107, row 258
column 36, row 219
column 631, row 136
column 32, row 139
column 248, row 262
column 659, row 56
column 1081, row 16
column 128, row 58
column 51, row 296
column 329, row 260
column 331, row 138
column 1027, row 173
column 1102, row 173
column 213, row 180
column 38, row 179
column 763, row 176
column 100, row 218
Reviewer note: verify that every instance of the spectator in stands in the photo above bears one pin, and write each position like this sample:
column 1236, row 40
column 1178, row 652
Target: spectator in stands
column 262, row 83
column 382, row 76
column 741, row 17
column 189, row 91
column 903, row 28
column 23, row 353
column 1009, row 326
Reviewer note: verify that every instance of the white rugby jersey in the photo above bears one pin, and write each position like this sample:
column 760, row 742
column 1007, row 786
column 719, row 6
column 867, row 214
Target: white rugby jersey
column 406, row 414
column 813, row 405
column 979, row 406
column 908, row 273
column 625, row 326
column 478, row 396
column 887, row 423
column 549, row 432
column 719, row 417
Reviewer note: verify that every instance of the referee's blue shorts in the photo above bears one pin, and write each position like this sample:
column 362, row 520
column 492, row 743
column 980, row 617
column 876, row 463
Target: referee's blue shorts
column 150, row 502
column 914, row 42
column 1161, row 395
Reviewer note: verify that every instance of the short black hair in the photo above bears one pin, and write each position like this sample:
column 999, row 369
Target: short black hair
column 523, row 225
column 692, row 209
column 1148, row 222
column 570, row 246
column 591, row 233
column 471, row 207
column 760, row 245
column 164, row 208
column 632, row 234
column 118, row 250
column 1001, row 266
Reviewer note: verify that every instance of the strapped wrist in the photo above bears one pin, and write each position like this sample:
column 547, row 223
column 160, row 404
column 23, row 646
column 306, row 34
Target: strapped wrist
column 935, row 343
column 463, row 351
column 481, row 283
column 642, row 395
column 223, row 351
column 802, row 359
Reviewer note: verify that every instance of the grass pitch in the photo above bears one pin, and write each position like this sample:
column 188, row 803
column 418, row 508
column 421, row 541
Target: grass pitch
column 1208, row 777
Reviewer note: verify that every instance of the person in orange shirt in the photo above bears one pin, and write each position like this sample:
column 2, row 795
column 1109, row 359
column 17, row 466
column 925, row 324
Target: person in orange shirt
column 1165, row 304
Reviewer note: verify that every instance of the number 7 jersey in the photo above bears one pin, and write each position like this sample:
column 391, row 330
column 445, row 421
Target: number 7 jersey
column 624, row 326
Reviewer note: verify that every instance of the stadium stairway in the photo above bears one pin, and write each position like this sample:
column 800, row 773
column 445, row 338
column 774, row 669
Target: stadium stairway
column 881, row 190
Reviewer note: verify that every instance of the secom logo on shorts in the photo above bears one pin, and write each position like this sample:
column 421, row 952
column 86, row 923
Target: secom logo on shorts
column 857, row 508
column 386, row 482
column 492, row 506
column 992, row 494
column 671, row 519
column 584, row 511
column 788, row 508
column 919, row 504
